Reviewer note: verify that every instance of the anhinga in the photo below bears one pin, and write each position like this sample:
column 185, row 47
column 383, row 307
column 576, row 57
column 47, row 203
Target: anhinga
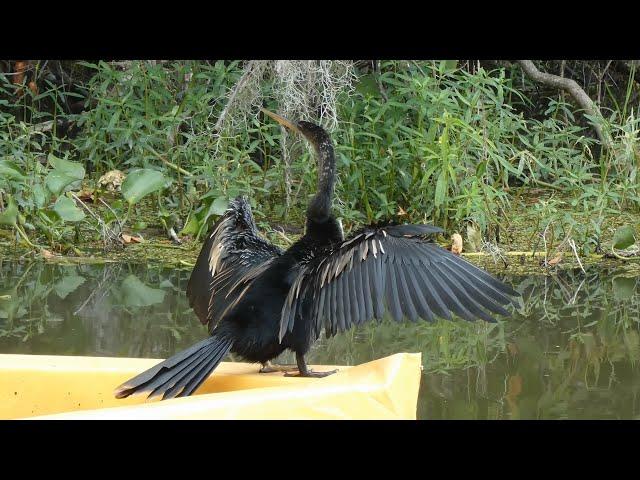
column 259, row 300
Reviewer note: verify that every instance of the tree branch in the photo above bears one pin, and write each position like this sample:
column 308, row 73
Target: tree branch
column 572, row 88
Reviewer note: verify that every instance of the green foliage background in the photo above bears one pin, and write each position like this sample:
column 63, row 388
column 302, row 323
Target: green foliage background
column 430, row 141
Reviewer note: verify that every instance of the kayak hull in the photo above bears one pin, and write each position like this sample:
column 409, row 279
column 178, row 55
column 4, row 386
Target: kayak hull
column 65, row 387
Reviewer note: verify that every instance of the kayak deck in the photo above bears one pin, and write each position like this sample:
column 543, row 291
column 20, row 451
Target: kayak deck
column 66, row 387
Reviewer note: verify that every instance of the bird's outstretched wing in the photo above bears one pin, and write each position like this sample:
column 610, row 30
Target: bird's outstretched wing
column 232, row 254
column 391, row 268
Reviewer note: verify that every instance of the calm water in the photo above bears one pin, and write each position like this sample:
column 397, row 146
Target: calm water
column 571, row 351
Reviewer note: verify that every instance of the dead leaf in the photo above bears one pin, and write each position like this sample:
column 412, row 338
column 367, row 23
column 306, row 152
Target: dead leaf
column 401, row 212
column 85, row 195
column 555, row 260
column 456, row 247
column 33, row 87
column 46, row 253
column 127, row 239
column 19, row 68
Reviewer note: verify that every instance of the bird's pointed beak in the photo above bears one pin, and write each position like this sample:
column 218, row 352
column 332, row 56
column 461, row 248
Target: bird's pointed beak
column 281, row 120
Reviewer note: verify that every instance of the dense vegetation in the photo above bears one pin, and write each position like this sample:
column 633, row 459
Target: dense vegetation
column 477, row 147
column 455, row 143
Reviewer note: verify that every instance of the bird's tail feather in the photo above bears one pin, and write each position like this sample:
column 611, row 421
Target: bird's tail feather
column 180, row 375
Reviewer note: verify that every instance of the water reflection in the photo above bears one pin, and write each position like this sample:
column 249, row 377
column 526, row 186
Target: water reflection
column 570, row 352
column 115, row 309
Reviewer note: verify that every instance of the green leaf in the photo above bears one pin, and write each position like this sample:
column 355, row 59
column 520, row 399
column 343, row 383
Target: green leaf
column 140, row 225
column 10, row 213
column 481, row 169
column 57, row 181
column 367, row 85
column 67, row 285
column 67, row 209
column 192, row 226
column 140, row 183
column 40, row 195
column 72, row 169
column 10, row 171
column 624, row 237
column 219, row 206
column 63, row 174
column 448, row 65
column 441, row 189
column 137, row 294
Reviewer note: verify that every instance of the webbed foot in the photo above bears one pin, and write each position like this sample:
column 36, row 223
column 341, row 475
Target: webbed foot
column 269, row 367
column 311, row 374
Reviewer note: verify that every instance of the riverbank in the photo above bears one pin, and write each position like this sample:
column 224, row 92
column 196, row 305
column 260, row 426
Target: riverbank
column 521, row 247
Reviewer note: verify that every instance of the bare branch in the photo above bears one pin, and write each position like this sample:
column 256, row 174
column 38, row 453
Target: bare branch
column 249, row 72
column 572, row 88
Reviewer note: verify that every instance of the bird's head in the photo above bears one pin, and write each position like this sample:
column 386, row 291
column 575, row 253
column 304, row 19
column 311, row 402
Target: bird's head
column 315, row 134
column 319, row 209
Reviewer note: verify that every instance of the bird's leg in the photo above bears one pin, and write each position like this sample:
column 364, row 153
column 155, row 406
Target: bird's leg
column 304, row 371
column 268, row 367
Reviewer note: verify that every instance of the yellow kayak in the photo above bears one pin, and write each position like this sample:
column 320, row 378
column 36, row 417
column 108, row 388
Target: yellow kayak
column 64, row 387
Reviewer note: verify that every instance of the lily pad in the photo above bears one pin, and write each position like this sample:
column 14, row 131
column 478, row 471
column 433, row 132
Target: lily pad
column 140, row 183
column 67, row 209
column 624, row 237
column 64, row 173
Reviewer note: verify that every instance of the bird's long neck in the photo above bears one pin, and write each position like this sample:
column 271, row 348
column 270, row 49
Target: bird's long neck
column 320, row 207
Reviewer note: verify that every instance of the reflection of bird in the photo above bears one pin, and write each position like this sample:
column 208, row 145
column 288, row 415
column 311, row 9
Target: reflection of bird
column 259, row 300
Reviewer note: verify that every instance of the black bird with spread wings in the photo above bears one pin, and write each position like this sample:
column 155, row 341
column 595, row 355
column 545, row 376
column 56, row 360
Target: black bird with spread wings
column 259, row 300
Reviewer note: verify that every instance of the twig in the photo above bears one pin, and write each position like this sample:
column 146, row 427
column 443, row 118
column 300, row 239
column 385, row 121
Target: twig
column 575, row 252
column 624, row 257
column 24, row 236
column 575, row 295
column 283, row 236
column 168, row 163
column 548, row 185
column 85, row 207
column 383, row 92
column 109, row 236
column 239, row 86
column 105, row 277
column 544, row 239
column 120, row 223
column 162, row 245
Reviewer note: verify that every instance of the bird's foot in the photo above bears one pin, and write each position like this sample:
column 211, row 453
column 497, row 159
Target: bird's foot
column 311, row 374
column 270, row 368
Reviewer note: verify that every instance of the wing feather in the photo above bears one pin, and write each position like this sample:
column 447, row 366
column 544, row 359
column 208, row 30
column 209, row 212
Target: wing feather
column 232, row 256
column 392, row 269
